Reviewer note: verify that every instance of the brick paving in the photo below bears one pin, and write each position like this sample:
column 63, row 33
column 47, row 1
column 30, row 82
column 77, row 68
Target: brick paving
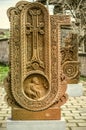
column 74, row 111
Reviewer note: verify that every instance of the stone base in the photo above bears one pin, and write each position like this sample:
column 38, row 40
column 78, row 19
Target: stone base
column 36, row 125
column 52, row 113
column 75, row 90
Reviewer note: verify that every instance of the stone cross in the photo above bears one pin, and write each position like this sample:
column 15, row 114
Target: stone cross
column 35, row 85
column 35, row 28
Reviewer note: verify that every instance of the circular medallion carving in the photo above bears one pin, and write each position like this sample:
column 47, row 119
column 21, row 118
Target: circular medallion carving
column 36, row 93
column 36, row 86
column 70, row 69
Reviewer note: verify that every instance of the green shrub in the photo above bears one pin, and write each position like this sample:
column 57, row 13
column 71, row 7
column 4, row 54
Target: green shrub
column 83, row 78
column 3, row 72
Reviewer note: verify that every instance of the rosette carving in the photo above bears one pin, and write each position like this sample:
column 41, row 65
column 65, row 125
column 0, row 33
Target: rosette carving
column 71, row 70
column 70, row 64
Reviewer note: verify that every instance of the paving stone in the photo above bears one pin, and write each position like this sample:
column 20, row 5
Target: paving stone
column 82, row 109
column 4, row 125
column 9, row 112
column 1, row 118
column 71, row 124
column 69, row 117
column 71, row 114
column 84, row 105
column 82, row 124
column 6, row 109
column 2, row 128
column 80, row 117
column 2, row 121
column 83, row 114
column 3, row 112
column 3, row 107
column 68, row 128
column 75, row 111
column 78, row 128
column 77, row 121
column 69, row 109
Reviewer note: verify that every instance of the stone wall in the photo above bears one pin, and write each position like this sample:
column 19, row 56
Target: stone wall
column 82, row 59
column 4, row 51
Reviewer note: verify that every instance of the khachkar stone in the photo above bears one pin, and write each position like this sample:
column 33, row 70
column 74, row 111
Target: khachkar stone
column 35, row 85
column 70, row 63
column 69, row 51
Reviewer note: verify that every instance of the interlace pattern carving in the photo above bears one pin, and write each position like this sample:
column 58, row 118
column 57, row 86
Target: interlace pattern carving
column 35, row 81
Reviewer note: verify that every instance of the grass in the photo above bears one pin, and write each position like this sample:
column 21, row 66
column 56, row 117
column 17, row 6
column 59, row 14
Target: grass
column 83, row 78
column 3, row 72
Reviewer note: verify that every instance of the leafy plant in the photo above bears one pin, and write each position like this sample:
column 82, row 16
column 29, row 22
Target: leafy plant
column 3, row 72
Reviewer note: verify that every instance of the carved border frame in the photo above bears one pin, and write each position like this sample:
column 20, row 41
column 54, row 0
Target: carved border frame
column 16, row 84
column 56, row 90
column 58, row 24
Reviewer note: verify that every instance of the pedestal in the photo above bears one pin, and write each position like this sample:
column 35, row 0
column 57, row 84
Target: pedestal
column 75, row 90
column 36, row 125
column 52, row 113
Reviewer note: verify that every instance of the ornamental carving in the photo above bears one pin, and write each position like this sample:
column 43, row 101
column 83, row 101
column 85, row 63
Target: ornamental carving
column 36, row 81
column 70, row 64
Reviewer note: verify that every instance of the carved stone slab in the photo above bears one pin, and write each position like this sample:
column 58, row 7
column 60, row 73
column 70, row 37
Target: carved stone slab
column 30, row 55
column 70, row 63
column 35, row 81
column 57, row 76
column 69, row 53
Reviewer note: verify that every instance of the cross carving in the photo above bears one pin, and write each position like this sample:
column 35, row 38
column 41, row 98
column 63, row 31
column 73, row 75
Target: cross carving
column 35, row 28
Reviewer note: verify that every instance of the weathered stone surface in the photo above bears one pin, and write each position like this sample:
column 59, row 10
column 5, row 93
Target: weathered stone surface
column 35, row 81
column 69, row 47
column 70, row 63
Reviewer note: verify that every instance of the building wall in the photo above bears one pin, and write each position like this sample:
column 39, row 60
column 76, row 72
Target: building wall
column 4, row 51
column 82, row 59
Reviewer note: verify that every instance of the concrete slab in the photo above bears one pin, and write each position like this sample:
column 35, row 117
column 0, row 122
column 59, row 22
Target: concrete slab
column 36, row 125
column 75, row 90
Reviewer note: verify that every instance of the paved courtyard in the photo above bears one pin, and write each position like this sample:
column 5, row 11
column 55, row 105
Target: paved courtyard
column 74, row 111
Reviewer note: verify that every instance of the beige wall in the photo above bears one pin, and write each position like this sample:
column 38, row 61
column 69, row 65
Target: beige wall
column 4, row 52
